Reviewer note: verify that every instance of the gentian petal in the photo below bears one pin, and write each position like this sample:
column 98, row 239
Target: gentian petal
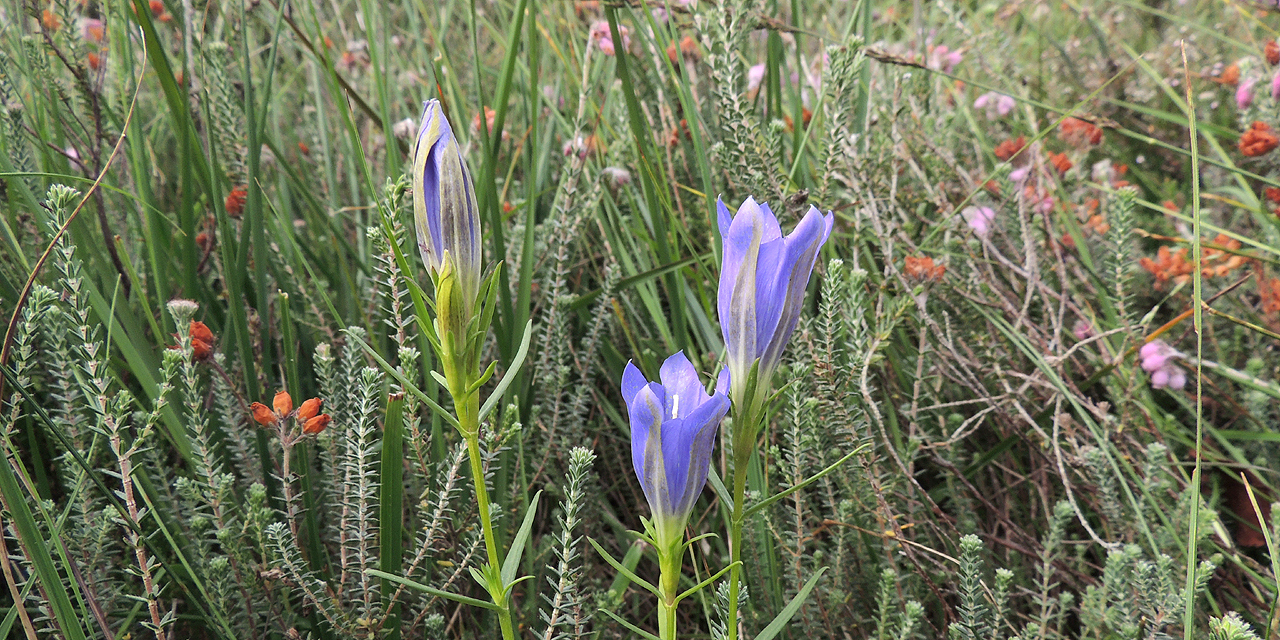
column 686, row 451
column 801, row 256
column 645, row 413
column 722, row 382
column 632, row 382
column 684, row 390
column 426, row 185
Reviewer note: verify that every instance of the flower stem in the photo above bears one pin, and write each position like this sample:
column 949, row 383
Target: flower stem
column 666, row 620
column 468, row 417
column 735, row 541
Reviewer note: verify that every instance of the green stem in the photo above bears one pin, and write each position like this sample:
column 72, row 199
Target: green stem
column 666, row 620
column 468, row 417
column 482, row 500
column 735, row 540
column 669, row 563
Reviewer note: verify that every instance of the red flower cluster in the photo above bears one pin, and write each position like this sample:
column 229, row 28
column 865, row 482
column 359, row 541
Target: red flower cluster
column 1258, row 140
column 308, row 415
column 201, row 341
column 1060, row 162
column 235, row 202
column 1079, row 133
column 1272, row 52
column 1010, row 148
column 1168, row 265
column 923, row 268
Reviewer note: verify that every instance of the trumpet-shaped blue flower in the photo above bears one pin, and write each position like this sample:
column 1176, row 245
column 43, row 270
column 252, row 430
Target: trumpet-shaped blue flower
column 673, row 432
column 444, row 205
column 762, row 282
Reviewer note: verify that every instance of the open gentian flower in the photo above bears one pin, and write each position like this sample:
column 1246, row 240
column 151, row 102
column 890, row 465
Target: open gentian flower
column 673, row 431
column 762, row 281
column 444, row 205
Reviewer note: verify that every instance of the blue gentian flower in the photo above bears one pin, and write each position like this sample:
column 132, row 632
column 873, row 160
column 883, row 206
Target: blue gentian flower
column 762, row 282
column 673, row 432
column 444, row 205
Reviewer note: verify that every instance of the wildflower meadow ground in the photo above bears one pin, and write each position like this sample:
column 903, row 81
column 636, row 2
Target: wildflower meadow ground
column 595, row 319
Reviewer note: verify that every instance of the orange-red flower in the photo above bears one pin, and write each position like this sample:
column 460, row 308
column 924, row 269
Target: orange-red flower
column 308, row 415
column 201, row 340
column 1079, row 133
column 1097, row 224
column 316, row 424
column 263, row 415
column 94, row 60
column 1272, row 52
column 689, row 48
column 1272, row 194
column 923, row 268
column 283, row 403
column 235, row 202
column 1269, row 289
column 309, row 409
column 1010, row 148
column 1258, row 140
column 157, row 7
column 1060, row 162
column 1168, row 265
column 1230, row 75
column 50, row 20
column 490, row 119
column 1221, row 262
column 805, row 113
column 302, row 146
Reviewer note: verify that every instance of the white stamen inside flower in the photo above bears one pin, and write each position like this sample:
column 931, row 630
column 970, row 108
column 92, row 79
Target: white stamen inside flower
column 675, row 405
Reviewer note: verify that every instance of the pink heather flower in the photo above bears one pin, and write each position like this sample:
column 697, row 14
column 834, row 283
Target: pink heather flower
column 1158, row 359
column 942, row 57
column 1045, row 204
column 995, row 104
column 1082, row 330
column 92, row 30
column 1018, row 175
column 603, row 38
column 755, row 76
column 1275, row 86
column 1244, row 93
column 979, row 219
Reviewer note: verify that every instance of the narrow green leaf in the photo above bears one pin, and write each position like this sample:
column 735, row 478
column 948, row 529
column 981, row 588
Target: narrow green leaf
column 698, row 587
column 755, row 508
column 631, row 627
column 36, row 550
column 404, row 382
column 418, row 586
column 779, row 623
column 391, row 490
column 623, row 570
column 510, row 375
column 512, row 564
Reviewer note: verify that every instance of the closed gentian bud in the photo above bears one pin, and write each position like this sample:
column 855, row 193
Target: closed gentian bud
column 309, row 409
column 282, row 402
column 262, row 414
column 763, row 278
column 444, row 204
column 316, row 424
column 673, row 432
column 451, row 310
